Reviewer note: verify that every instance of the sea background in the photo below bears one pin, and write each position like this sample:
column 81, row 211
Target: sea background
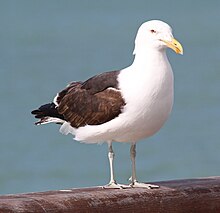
column 46, row 44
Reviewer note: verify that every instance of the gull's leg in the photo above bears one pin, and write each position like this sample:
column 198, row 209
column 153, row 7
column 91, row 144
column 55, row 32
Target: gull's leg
column 134, row 182
column 112, row 183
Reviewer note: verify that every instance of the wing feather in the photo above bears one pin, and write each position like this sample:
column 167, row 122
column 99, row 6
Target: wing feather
column 93, row 102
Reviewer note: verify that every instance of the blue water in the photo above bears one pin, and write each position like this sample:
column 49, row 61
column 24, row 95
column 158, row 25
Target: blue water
column 46, row 44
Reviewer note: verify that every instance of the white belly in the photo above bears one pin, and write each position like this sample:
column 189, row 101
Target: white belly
column 149, row 100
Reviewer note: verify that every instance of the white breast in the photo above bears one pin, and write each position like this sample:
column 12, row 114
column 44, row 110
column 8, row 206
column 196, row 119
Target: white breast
column 149, row 100
column 148, row 92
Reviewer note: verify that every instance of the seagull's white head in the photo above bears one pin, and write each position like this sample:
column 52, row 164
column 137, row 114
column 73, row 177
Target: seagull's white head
column 157, row 35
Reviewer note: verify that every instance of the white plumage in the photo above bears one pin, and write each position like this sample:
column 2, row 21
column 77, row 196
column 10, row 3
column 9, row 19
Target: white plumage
column 146, row 87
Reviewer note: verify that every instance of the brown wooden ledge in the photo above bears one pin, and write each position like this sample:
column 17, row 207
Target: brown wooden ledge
column 186, row 196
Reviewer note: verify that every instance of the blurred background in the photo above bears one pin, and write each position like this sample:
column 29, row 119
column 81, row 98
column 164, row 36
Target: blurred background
column 46, row 44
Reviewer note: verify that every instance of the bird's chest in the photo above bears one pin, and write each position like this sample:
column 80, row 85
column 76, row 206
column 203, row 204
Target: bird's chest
column 148, row 97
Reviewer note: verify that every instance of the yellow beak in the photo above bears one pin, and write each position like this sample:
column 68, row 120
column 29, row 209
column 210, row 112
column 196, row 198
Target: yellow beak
column 174, row 45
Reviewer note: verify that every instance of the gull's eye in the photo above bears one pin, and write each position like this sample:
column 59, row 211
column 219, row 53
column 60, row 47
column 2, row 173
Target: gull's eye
column 153, row 31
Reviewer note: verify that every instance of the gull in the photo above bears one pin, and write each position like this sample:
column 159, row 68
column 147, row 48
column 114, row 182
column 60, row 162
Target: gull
column 124, row 105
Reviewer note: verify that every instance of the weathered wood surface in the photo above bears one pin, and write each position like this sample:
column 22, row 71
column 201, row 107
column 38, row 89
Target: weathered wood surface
column 185, row 196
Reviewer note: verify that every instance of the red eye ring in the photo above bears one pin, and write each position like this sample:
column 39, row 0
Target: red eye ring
column 153, row 31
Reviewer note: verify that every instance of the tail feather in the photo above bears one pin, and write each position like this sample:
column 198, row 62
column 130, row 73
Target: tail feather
column 48, row 113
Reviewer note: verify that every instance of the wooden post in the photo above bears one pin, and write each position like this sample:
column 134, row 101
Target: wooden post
column 182, row 196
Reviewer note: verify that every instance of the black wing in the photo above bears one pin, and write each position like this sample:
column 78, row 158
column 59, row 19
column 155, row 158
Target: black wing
column 93, row 102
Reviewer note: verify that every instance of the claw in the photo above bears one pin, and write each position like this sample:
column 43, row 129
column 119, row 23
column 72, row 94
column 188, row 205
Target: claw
column 136, row 184
column 114, row 185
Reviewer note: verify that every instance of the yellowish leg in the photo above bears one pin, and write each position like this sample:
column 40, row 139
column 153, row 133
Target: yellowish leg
column 134, row 182
column 112, row 183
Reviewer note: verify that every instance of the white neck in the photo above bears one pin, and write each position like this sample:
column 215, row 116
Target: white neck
column 148, row 58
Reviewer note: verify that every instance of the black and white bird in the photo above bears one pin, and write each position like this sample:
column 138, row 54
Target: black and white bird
column 120, row 106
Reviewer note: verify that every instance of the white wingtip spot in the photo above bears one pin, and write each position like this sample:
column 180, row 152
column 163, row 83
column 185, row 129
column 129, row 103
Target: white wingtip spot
column 55, row 99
